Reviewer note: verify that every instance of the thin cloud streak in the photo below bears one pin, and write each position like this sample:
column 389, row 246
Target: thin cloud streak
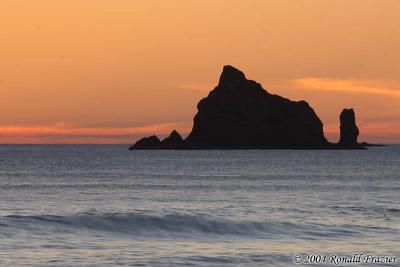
column 61, row 133
column 349, row 86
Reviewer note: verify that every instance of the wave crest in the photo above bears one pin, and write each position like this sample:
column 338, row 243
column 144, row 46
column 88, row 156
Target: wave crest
column 137, row 224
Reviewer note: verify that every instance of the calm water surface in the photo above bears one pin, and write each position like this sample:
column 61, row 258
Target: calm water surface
column 87, row 205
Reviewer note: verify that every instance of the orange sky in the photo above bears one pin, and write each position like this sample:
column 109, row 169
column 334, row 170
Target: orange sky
column 101, row 71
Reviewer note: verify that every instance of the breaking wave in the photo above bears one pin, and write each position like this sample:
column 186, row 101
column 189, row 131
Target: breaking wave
column 137, row 224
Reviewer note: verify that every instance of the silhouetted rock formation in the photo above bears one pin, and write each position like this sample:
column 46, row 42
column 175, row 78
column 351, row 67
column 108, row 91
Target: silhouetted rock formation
column 151, row 142
column 240, row 114
column 173, row 141
column 348, row 129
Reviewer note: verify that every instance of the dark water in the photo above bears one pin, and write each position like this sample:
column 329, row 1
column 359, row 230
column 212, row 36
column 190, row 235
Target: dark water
column 106, row 206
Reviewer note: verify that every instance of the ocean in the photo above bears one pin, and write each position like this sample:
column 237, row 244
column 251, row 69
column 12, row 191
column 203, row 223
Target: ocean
column 102, row 205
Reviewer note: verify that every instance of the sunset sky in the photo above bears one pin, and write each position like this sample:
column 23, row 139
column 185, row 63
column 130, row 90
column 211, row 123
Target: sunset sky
column 102, row 71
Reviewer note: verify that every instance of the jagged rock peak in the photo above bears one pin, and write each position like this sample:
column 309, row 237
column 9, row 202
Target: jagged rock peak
column 173, row 139
column 231, row 76
column 348, row 129
column 175, row 135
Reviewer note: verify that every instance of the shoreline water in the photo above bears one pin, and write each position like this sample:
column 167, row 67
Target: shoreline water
column 106, row 206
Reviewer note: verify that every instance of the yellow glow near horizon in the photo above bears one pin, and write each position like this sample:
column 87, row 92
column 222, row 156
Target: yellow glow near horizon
column 109, row 68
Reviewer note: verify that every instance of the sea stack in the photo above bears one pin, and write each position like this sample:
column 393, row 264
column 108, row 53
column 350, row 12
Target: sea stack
column 240, row 114
column 173, row 141
column 348, row 129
